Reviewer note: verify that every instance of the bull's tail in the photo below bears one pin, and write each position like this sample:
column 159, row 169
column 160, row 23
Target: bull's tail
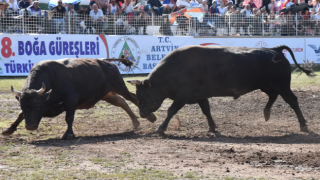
column 280, row 48
column 124, row 61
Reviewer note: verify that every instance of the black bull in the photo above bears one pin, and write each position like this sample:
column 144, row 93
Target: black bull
column 71, row 84
column 193, row 74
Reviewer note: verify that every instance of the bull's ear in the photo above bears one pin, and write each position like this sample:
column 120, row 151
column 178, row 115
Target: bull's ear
column 146, row 83
column 47, row 94
column 135, row 82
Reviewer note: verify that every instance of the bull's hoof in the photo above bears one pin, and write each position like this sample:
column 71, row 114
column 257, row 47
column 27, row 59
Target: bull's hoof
column 304, row 129
column 8, row 132
column 136, row 124
column 151, row 117
column 161, row 130
column 267, row 115
column 68, row 136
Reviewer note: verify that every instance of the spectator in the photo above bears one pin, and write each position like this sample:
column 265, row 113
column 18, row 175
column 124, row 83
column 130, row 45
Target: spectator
column 157, row 7
column 169, row 6
column 222, row 9
column 102, row 3
column 251, row 5
column 1, row 10
column 59, row 14
column 114, row 8
column 34, row 20
column 13, row 6
column 71, row 13
column 246, row 11
column 271, row 22
column 183, row 4
column 299, row 27
column 310, row 4
column 194, row 3
column 140, row 20
column 84, row 18
column 214, row 9
column 24, row 4
column 272, row 6
column 127, row 7
column 204, row 6
column 317, row 22
column 316, row 5
column 97, row 18
column 229, row 5
column 35, row 10
column 281, row 24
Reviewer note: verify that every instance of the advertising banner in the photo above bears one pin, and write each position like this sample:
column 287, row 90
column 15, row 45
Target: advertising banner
column 18, row 53
column 313, row 49
column 296, row 44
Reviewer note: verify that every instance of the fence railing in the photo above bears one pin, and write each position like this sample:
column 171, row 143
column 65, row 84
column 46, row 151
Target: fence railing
column 235, row 24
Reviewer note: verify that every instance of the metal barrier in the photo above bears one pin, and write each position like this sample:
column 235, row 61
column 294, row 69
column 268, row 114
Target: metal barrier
column 232, row 24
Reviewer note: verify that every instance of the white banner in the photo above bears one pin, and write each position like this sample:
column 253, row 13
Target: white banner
column 19, row 52
column 296, row 44
column 313, row 49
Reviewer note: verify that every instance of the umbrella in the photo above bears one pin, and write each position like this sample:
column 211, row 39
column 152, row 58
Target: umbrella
column 55, row 2
column 258, row 3
column 188, row 12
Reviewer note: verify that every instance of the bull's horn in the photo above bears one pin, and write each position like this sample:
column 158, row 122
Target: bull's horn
column 17, row 93
column 41, row 91
column 134, row 82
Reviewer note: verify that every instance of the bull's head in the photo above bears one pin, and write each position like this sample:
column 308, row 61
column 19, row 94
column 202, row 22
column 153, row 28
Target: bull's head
column 150, row 98
column 33, row 105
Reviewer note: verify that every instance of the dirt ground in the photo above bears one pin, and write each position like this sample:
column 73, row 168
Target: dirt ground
column 245, row 146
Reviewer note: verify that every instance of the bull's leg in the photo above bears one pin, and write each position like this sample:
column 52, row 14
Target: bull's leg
column 205, row 107
column 174, row 108
column 13, row 127
column 292, row 100
column 115, row 100
column 70, row 106
column 133, row 98
column 267, row 109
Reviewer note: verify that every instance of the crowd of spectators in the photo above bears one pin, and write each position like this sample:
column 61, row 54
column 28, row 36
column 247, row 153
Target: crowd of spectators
column 133, row 16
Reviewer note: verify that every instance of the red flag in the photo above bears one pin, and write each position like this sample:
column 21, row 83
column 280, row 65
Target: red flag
column 258, row 3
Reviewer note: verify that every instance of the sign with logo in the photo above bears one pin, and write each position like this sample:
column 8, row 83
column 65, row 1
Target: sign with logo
column 313, row 49
column 128, row 47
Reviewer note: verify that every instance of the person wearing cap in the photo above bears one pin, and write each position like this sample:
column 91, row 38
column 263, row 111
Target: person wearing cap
column 140, row 20
column 229, row 5
column 214, row 8
column 58, row 17
column 35, row 10
column 281, row 23
column 24, row 4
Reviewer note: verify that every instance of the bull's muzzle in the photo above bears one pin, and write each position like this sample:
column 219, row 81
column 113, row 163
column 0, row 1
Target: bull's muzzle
column 31, row 127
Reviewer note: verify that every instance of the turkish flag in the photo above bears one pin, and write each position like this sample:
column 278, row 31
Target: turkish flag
column 258, row 3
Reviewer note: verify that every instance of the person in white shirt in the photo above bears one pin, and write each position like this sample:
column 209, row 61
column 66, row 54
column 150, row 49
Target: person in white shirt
column 127, row 7
column 222, row 9
column 97, row 18
column 316, row 17
column 194, row 3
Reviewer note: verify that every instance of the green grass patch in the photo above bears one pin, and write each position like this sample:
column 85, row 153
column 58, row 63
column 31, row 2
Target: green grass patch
column 7, row 82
